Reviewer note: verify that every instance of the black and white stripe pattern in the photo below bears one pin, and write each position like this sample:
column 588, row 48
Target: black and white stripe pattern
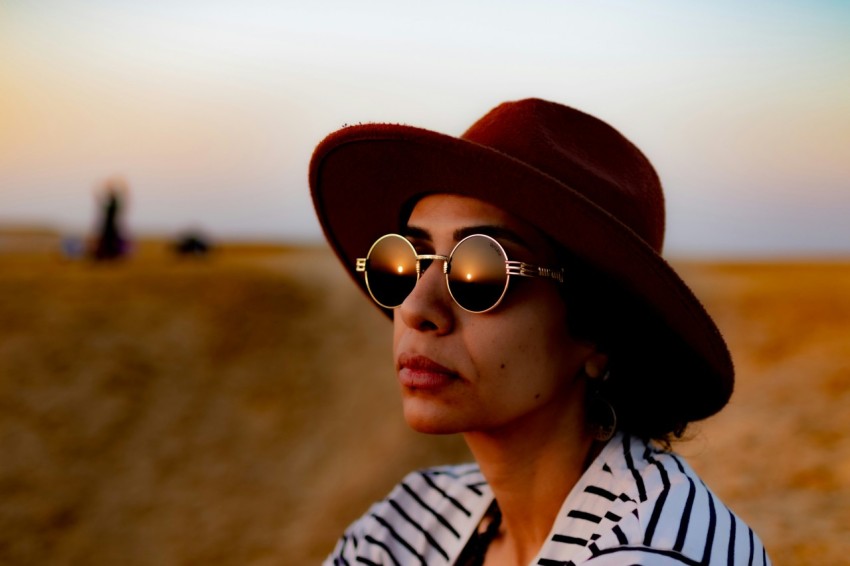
column 427, row 519
column 636, row 504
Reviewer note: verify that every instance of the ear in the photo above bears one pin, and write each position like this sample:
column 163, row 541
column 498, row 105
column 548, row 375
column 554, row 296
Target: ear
column 595, row 364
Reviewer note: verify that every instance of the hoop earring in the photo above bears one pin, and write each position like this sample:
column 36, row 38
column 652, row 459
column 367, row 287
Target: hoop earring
column 601, row 414
column 605, row 427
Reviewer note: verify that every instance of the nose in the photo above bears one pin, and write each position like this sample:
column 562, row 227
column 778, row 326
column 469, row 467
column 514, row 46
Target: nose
column 429, row 307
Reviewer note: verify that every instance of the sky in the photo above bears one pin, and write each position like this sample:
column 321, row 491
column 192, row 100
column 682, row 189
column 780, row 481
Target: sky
column 210, row 110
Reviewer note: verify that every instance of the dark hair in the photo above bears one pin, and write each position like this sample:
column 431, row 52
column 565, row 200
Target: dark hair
column 603, row 311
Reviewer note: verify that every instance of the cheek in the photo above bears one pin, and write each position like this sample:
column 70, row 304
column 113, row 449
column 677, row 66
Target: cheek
column 523, row 353
column 397, row 332
column 537, row 349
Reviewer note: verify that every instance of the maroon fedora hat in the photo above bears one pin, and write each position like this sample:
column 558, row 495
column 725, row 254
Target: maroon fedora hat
column 571, row 175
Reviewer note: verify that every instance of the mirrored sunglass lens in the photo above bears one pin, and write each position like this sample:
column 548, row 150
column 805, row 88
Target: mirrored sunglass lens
column 391, row 271
column 477, row 278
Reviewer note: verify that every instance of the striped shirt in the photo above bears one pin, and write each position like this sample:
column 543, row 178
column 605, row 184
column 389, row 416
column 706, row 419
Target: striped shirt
column 636, row 504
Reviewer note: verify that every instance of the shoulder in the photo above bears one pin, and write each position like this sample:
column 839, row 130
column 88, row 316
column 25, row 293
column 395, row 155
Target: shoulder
column 665, row 513
column 422, row 520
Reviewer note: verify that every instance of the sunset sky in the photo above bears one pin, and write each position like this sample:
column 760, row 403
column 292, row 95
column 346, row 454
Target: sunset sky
column 210, row 110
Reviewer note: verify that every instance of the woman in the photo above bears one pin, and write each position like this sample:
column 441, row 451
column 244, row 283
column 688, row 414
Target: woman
column 533, row 314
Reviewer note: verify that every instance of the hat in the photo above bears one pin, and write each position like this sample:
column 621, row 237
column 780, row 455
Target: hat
column 569, row 174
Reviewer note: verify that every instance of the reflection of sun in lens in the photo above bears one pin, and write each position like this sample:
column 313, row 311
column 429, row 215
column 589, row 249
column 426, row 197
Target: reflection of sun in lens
column 400, row 269
column 469, row 277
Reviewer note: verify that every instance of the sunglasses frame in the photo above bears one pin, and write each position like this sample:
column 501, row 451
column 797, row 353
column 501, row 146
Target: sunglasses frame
column 512, row 268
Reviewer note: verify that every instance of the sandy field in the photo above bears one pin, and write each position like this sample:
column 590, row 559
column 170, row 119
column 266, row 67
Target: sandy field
column 241, row 408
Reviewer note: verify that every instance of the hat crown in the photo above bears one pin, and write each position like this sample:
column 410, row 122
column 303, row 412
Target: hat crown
column 583, row 153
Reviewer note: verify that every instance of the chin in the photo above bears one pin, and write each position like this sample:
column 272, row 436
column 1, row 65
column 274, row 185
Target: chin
column 428, row 427
column 428, row 419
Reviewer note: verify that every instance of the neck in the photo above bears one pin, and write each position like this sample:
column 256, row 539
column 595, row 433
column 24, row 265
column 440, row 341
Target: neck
column 531, row 470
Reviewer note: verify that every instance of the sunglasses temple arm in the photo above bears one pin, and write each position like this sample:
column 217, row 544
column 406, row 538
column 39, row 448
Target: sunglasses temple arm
column 528, row 270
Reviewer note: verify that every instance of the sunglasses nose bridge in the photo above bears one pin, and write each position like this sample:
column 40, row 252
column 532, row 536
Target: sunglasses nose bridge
column 428, row 259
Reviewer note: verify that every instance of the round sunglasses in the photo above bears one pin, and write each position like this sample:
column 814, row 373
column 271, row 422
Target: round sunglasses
column 477, row 271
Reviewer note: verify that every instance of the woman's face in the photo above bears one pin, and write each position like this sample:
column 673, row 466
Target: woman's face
column 466, row 372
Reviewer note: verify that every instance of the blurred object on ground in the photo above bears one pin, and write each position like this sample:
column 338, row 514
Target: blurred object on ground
column 192, row 243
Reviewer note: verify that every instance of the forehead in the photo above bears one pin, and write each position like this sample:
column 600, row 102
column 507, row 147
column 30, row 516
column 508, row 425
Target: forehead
column 444, row 212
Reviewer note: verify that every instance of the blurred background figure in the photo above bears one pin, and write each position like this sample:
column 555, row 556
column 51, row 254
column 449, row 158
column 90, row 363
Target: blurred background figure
column 111, row 241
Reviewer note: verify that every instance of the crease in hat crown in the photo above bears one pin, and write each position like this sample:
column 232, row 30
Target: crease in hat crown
column 583, row 152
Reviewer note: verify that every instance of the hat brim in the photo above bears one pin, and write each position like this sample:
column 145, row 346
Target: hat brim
column 361, row 178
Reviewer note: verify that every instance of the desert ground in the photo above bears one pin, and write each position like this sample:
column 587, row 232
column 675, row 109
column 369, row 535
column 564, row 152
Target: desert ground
column 241, row 408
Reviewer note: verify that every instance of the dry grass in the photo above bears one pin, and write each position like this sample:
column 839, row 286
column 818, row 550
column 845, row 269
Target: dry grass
column 241, row 408
column 780, row 452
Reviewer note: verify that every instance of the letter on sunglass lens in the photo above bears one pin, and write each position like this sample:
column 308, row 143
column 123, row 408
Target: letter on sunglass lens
column 391, row 274
column 477, row 279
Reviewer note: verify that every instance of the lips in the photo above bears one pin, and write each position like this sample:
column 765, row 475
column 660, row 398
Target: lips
column 420, row 372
